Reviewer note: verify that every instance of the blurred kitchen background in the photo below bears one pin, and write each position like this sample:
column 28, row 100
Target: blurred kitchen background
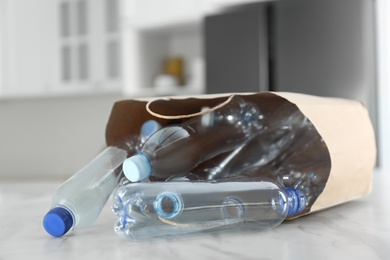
column 63, row 63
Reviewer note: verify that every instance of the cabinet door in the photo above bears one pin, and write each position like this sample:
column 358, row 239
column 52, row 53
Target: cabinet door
column 154, row 14
column 55, row 47
column 89, row 45
column 28, row 50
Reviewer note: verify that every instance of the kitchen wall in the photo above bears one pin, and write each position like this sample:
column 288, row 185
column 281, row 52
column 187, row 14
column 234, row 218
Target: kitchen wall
column 383, row 34
column 51, row 137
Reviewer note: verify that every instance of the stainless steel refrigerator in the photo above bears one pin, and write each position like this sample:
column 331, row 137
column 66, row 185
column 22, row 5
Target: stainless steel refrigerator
column 320, row 47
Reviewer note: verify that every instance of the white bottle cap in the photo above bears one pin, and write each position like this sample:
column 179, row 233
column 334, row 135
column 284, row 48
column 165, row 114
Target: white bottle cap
column 136, row 168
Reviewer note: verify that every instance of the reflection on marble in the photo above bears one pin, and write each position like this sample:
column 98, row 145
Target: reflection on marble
column 356, row 230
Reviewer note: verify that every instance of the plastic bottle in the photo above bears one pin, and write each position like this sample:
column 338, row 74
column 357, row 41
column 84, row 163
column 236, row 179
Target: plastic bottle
column 304, row 165
column 292, row 153
column 160, row 209
column 260, row 150
column 177, row 149
column 134, row 143
column 78, row 202
column 271, row 145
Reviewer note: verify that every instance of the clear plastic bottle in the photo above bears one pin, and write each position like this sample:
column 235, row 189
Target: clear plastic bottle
column 269, row 146
column 178, row 149
column 78, row 202
column 292, row 153
column 160, row 209
column 134, row 143
column 304, row 164
column 260, row 150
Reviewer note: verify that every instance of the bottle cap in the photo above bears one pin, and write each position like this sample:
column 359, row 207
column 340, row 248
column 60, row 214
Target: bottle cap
column 301, row 200
column 136, row 168
column 296, row 200
column 148, row 128
column 58, row 221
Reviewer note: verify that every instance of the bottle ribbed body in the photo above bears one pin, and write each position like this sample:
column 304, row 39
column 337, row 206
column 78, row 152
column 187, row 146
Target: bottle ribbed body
column 148, row 210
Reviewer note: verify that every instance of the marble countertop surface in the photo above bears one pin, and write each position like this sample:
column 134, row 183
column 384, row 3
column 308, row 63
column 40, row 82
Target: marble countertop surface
column 355, row 230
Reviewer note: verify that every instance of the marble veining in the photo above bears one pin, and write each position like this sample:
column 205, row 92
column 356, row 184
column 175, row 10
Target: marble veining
column 356, row 230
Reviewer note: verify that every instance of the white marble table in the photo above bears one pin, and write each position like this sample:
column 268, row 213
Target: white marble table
column 355, row 230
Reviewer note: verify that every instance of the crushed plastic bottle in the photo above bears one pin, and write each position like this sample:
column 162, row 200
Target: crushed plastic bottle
column 177, row 149
column 166, row 209
column 270, row 145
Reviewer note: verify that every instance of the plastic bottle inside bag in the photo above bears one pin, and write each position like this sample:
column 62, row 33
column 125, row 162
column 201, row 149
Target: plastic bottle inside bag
column 260, row 150
column 160, row 209
column 177, row 149
column 292, row 153
column 268, row 146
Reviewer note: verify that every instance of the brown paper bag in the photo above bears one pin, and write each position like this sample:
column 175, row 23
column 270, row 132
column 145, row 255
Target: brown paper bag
column 344, row 126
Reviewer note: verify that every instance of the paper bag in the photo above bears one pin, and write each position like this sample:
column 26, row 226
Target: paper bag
column 344, row 125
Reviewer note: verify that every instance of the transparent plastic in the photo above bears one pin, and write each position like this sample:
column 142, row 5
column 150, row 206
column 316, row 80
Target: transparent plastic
column 275, row 167
column 148, row 129
column 177, row 149
column 134, row 143
column 78, row 202
column 165, row 209
column 279, row 152
column 268, row 145
column 261, row 149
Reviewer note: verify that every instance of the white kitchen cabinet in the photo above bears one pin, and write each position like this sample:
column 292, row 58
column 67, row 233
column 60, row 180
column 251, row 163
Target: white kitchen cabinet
column 27, row 47
column 156, row 30
column 153, row 14
column 59, row 47
column 56, row 47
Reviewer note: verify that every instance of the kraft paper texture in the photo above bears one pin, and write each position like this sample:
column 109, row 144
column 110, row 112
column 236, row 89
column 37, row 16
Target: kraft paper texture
column 344, row 125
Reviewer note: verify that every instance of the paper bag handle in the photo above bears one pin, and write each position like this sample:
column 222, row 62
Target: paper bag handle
column 210, row 109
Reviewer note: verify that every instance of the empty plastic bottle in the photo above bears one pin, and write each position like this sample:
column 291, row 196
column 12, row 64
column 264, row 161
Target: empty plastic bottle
column 78, row 202
column 158, row 209
column 304, row 166
column 177, row 149
column 269, row 146
column 134, row 143
column 292, row 153
column 260, row 150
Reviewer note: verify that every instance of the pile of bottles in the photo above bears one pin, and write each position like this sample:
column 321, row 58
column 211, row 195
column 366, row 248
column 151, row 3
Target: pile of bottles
column 234, row 167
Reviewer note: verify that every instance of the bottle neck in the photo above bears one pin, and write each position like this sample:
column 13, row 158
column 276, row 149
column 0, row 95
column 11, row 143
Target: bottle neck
column 296, row 201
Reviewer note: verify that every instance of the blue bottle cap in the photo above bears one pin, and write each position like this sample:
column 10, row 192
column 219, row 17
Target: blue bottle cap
column 301, row 201
column 58, row 221
column 296, row 201
column 149, row 128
